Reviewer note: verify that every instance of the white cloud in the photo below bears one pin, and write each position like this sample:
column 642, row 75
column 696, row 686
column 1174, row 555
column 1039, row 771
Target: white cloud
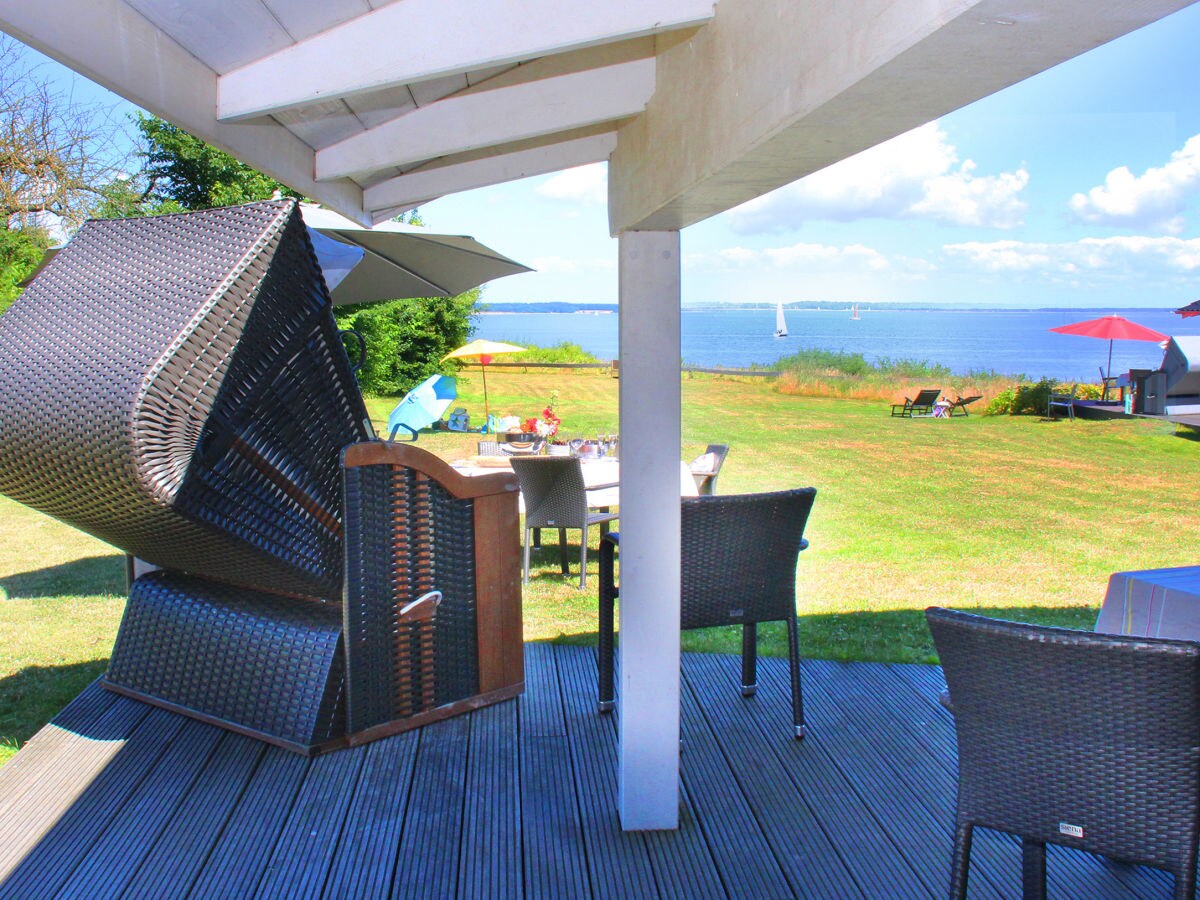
column 1124, row 255
column 914, row 175
column 809, row 258
column 583, row 184
column 1152, row 201
column 570, row 265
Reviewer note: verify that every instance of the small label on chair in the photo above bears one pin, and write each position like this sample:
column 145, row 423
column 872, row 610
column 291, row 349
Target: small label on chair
column 1066, row 828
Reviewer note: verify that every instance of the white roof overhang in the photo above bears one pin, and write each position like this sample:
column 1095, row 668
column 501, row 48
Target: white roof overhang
column 374, row 107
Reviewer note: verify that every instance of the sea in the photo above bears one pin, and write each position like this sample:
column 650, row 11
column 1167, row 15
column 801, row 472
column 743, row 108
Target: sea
column 1000, row 341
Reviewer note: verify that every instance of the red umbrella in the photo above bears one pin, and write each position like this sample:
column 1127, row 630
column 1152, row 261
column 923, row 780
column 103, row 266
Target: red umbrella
column 1192, row 309
column 1112, row 328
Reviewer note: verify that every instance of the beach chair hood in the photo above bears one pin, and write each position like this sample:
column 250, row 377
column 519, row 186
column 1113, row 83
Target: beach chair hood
column 176, row 387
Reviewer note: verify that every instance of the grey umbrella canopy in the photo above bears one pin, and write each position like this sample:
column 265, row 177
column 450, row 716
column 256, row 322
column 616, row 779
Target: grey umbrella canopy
column 406, row 261
column 397, row 260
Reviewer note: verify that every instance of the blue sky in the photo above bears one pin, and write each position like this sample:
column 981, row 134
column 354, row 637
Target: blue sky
column 1078, row 187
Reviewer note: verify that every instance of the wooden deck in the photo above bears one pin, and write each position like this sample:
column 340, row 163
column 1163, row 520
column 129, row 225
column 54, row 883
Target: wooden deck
column 118, row 799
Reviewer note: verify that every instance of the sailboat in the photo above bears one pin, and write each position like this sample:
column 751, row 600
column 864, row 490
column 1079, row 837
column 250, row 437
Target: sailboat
column 854, row 312
column 780, row 321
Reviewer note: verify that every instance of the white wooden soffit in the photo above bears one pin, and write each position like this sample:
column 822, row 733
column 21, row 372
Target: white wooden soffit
column 414, row 188
column 773, row 90
column 118, row 48
column 417, row 40
column 491, row 118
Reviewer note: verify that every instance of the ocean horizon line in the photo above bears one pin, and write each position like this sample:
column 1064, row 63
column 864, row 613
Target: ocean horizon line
column 573, row 306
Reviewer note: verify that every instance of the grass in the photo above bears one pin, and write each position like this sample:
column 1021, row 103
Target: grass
column 1010, row 516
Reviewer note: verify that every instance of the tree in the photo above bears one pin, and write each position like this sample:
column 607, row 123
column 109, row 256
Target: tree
column 55, row 155
column 185, row 170
column 406, row 339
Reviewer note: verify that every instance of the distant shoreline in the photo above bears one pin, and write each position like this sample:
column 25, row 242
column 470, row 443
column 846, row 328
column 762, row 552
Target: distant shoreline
column 571, row 308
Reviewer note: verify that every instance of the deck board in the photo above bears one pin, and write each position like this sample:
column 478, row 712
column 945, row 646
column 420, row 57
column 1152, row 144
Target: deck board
column 519, row 800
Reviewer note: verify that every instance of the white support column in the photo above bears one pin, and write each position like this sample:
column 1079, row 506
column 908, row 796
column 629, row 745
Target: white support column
column 650, row 434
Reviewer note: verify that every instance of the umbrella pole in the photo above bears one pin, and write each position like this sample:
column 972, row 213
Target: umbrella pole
column 486, row 416
column 1109, row 372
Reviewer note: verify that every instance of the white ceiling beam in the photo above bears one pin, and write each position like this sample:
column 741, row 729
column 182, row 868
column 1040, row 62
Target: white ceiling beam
column 418, row 40
column 415, row 188
column 772, row 90
column 114, row 46
column 488, row 118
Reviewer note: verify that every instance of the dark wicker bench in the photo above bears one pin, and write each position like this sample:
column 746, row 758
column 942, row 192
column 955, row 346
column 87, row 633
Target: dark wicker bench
column 177, row 387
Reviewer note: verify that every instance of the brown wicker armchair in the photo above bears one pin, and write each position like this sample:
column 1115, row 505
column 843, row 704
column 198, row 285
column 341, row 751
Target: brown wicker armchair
column 1068, row 737
column 739, row 554
column 177, row 387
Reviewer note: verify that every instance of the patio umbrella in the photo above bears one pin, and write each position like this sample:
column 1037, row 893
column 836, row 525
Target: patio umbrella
column 423, row 405
column 393, row 260
column 1192, row 309
column 483, row 351
column 1110, row 328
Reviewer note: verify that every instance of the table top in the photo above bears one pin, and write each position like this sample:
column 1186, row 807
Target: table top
column 604, row 470
column 1153, row 603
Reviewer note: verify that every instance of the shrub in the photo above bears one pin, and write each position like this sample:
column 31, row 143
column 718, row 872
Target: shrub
column 564, row 352
column 825, row 362
column 406, row 339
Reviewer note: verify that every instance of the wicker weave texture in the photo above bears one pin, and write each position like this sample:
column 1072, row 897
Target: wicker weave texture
column 1060, row 729
column 268, row 663
column 175, row 386
column 554, row 491
column 406, row 536
column 740, row 553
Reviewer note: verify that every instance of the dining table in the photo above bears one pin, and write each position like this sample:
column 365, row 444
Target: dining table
column 604, row 470
column 1153, row 603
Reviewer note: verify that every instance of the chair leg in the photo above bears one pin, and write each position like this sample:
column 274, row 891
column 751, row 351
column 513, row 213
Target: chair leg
column 794, row 668
column 1033, row 869
column 749, row 659
column 562, row 551
column 960, row 864
column 525, row 565
column 583, row 536
column 604, row 649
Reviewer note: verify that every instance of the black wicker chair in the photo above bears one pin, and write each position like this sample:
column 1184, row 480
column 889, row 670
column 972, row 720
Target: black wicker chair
column 177, row 387
column 1069, row 737
column 556, row 497
column 739, row 554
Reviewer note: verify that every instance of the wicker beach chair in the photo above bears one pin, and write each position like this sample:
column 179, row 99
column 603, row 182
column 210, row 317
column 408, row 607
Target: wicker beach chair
column 1069, row 737
column 177, row 387
column 739, row 554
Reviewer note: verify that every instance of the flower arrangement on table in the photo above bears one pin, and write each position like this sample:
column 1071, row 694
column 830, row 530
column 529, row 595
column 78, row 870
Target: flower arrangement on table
column 546, row 426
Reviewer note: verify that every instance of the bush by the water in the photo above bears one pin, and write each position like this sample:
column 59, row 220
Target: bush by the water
column 829, row 373
column 563, row 352
column 1031, row 398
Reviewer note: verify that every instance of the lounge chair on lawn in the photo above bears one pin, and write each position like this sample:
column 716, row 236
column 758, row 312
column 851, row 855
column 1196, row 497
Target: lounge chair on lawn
column 922, row 404
column 958, row 406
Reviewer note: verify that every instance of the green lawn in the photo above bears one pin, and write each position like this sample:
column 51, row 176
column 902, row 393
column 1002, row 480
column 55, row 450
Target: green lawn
column 1015, row 517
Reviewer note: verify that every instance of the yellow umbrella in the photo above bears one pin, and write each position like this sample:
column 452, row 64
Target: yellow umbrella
column 483, row 351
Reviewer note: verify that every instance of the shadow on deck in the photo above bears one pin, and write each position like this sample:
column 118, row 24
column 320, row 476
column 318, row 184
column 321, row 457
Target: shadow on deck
column 118, row 799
